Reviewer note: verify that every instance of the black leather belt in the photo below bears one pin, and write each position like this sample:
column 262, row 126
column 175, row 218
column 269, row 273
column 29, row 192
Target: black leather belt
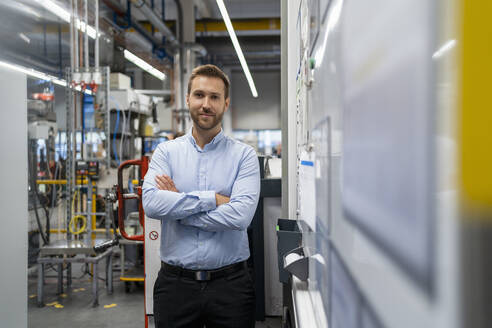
column 204, row 275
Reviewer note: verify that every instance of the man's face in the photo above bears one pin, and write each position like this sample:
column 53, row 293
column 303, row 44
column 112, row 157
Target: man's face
column 206, row 102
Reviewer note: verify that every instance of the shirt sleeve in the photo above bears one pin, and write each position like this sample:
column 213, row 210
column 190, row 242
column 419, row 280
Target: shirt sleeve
column 239, row 211
column 164, row 204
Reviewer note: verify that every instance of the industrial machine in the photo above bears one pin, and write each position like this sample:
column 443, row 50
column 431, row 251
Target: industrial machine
column 85, row 224
column 150, row 236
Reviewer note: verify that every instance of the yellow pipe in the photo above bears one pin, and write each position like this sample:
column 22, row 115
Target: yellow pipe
column 93, row 227
column 102, row 230
column 218, row 25
column 239, row 25
column 132, row 279
column 59, row 182
column 58, row 231
column 62, row 182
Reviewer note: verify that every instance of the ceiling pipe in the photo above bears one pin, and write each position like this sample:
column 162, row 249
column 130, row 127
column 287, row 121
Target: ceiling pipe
column 118, row 9
column 196, row 47
column 28, row 61
column 157, row 22
column 142, row 44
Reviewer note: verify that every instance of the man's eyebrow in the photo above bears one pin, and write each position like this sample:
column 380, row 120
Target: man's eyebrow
column 202, row 91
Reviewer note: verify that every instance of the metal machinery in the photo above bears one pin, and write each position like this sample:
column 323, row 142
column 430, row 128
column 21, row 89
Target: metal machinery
column 82, row 171
column 42, row 130
column 137, row 273
column 85, row 158
column 149, row 236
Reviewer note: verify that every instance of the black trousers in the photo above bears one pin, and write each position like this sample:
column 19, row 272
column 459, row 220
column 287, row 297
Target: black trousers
column 226, row 302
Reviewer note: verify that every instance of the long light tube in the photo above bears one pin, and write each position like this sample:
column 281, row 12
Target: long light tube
column 91, row 32
column 444, row 49
column 39, row 75
column 237, row 47
column 65, row 15
column 144, row 65
column 86, row 36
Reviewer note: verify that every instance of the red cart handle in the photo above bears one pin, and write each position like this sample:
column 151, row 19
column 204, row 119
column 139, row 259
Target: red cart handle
column 144, row 165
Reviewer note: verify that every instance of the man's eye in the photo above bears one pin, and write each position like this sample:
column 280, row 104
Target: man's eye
column 199, row 95
column 215, row 97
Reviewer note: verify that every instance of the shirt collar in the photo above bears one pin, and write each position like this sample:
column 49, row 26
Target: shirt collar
column 214, row 141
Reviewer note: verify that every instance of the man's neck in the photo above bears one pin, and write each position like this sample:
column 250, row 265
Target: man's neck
column 203, row 137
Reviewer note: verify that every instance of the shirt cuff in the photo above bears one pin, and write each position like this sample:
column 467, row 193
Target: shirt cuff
column 207, row 199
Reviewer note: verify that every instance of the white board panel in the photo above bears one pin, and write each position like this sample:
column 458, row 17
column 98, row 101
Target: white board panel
column 13, row 198
column 152, row 260
column 388, row 120
column 345, row 299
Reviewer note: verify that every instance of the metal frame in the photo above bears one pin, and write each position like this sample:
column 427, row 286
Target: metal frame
column 71, row 141
column 59, row 252
column 59, row 261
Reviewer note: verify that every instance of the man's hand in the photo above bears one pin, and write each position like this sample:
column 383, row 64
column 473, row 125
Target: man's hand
column 220, row 199
column 164, row 182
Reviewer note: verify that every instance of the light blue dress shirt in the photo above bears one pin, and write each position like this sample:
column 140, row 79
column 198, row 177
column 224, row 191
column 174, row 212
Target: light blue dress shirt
column 195, row 233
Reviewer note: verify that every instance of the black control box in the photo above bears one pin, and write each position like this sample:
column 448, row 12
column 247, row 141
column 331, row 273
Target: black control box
column 87, row 168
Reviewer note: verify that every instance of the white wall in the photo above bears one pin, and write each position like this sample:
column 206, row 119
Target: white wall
column 260, row 113
column 13, row 199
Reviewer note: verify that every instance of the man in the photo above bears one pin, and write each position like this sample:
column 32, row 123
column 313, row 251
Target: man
column 204, row 187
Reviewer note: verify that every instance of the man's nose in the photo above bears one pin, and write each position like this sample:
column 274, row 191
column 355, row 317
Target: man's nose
column 206, row 102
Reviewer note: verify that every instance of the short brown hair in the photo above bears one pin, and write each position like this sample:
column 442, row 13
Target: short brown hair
column 210, row 70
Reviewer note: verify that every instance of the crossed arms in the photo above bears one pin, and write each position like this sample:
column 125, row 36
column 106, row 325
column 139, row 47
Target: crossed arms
column 206, row 210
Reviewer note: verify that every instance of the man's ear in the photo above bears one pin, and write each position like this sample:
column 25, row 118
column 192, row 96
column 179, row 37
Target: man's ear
column 227, row 102
column 188, row 100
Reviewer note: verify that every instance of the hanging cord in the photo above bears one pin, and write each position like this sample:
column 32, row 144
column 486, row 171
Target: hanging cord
column 32, row 179
column 123, row 131
column 114, row 137
column 74, row 220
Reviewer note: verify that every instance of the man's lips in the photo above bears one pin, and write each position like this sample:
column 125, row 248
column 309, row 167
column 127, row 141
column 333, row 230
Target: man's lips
column 206, row 115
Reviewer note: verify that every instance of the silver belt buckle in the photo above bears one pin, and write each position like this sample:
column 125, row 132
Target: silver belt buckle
column 202, row 275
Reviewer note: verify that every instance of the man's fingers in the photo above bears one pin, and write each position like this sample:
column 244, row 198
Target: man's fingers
column 161, row 183
column 221, row 199
column 168, row 180
column 170, row 183
column 160, row 186
column 164, row 182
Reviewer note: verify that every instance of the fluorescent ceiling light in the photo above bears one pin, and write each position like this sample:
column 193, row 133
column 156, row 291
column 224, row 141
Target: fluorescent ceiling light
column 237, row 47
column 444, row 49
column 55, row 9
column 65, row 15
column 39, row 75
column 91, row 32
column 16, row 5
column 144, row 65
column 24, row 37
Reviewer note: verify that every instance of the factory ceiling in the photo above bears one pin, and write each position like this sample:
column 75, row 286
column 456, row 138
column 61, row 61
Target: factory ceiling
column 34, row 37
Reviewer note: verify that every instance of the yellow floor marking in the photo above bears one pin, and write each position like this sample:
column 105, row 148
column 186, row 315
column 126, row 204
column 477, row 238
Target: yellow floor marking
column 32, row 296
column 59, row 306
column 52, row 303
column 110, row 306
column 63, row 295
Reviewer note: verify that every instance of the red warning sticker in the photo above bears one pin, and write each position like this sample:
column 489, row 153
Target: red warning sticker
column 153, row 235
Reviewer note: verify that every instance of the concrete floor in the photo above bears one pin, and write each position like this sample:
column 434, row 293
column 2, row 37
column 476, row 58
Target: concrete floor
column 74, row 308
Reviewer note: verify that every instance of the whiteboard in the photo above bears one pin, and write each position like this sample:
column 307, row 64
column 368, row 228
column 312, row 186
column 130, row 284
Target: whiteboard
column 345, row 298
column 388, row 116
